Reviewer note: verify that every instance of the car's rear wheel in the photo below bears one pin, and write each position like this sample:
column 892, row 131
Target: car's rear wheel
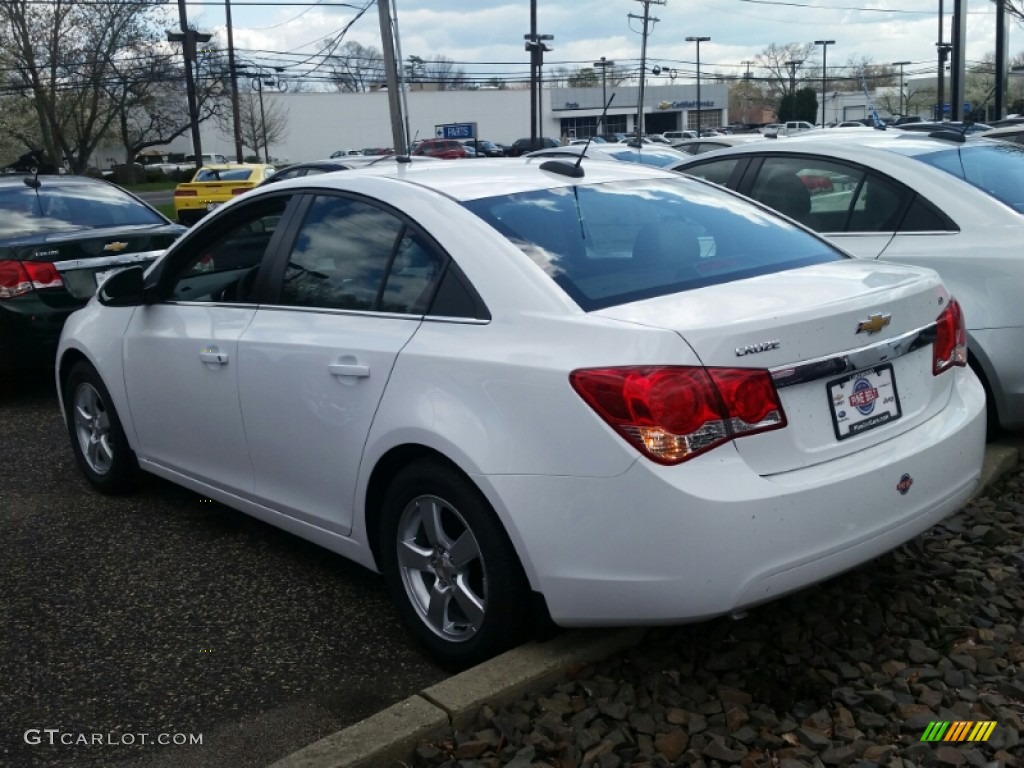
column 97, row 438
column 449, row 566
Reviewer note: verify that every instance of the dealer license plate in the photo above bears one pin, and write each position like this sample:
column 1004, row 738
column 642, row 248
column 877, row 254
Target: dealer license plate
column 863, row 401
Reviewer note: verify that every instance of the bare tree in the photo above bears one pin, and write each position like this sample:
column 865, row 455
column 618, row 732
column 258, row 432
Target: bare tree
column 775, row 61
column 271, row 123
column 61, row 53
column 151, row 98
column 356, row 68
column 443, row 72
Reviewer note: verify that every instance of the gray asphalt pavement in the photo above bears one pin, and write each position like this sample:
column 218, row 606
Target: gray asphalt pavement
column 162, row 613
column 158, row 197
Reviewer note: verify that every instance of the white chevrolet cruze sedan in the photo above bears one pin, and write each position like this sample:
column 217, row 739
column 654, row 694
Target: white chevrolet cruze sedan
column 638, row 396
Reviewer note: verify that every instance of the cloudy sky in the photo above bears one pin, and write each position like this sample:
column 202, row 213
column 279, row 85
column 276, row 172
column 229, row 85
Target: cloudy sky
column 486, row 36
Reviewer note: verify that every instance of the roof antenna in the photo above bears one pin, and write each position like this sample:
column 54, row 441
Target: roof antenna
column 33, row 181
column 574, row 170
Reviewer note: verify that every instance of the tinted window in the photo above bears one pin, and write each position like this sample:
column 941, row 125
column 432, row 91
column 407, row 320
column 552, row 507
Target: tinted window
column 352, row 255
column 56, row 208
column 717, row 172
column 234, row 174
column 224, row 262
column 608, row 244
column 923, row 217
column 996, row 168
column 815, row 192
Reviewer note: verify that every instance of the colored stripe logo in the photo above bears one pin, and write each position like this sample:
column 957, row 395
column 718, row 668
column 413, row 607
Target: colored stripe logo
column 965, row 730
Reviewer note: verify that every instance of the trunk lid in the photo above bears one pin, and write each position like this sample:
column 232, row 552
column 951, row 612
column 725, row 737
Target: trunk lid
column 86, row 257
column 842, row 341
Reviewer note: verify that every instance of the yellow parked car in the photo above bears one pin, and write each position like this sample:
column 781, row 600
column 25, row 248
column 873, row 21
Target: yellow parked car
column 214, row 185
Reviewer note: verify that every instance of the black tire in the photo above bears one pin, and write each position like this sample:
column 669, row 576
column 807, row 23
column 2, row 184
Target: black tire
column 495, row 575
column 97, row 437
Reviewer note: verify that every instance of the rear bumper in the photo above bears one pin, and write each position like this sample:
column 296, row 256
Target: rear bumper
column 1002, row 347
column 670, row 544
column 29, row 333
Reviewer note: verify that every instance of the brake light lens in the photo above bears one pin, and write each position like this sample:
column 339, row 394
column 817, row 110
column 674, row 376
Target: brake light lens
column 185, row 193
column 950, row 347
column 240, row 190
column 673, row 413
column 19, row 277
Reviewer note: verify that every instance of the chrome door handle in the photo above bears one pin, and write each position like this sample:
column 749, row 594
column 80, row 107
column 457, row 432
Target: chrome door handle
column 349, row 369
column 210, row 356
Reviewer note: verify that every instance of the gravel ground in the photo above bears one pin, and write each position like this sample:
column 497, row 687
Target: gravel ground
column 846, row 674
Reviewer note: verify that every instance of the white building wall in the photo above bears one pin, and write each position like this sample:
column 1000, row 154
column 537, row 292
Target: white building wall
column 321, row 123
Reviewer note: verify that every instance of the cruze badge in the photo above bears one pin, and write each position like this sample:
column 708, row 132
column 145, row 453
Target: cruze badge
column 873, row 324
column 753, row 349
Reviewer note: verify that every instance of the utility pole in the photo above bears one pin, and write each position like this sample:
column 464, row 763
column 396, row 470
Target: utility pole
column 824, row 58
column 391, row 76
column 793, row 64
column 747, row 78
column 1001, row 62
column 958, row 63
column 901, row 64
column 235, row 118
column 647, row 19
column 188, row 39
column 942, row 49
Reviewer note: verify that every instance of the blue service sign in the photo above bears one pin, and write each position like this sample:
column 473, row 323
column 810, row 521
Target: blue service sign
column 456, row 131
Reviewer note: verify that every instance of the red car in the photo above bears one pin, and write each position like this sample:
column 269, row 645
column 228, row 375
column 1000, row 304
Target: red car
column 446, row 149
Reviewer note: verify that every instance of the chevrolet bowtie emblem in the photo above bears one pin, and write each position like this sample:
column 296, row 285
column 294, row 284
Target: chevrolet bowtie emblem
column 116, row 247
column 873, row 324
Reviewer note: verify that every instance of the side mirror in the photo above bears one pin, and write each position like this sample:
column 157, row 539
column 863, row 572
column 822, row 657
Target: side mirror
column 123, row 289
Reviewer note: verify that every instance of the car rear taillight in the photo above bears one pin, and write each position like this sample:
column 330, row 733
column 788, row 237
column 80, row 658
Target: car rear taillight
column 240, row 190
column 185, row 193
column 20, row 277
column 673, row 413
column 950, row 339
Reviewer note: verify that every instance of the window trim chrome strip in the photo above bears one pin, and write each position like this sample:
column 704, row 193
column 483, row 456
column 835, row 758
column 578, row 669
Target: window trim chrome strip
column 854, row 359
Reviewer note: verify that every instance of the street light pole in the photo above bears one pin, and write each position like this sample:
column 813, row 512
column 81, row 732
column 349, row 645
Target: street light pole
column 901, row 64
column 698, row 41
column 604, row 64
column 824, row 58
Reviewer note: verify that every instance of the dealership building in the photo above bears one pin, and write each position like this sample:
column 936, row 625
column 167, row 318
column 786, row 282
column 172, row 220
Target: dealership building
column 321, row 123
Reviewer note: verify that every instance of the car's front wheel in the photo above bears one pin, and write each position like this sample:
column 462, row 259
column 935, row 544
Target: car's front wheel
column 97, row 438
column 449, row 566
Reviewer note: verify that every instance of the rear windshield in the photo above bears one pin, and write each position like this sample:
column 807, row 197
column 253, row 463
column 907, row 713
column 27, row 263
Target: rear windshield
column 996, row 168
column 642, row 156
column 234, row 174
column 613, row 243
column 64, row 208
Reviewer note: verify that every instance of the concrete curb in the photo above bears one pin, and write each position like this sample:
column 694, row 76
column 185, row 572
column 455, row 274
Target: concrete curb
column 389, row 737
